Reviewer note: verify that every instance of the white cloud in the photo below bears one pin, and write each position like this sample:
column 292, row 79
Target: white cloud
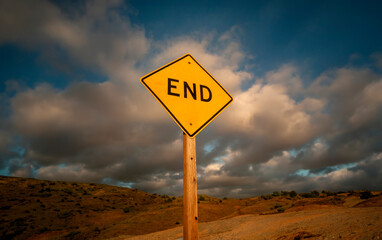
column 213, row 167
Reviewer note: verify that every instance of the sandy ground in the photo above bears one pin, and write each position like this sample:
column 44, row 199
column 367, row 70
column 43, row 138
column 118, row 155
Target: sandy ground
column 330, row 223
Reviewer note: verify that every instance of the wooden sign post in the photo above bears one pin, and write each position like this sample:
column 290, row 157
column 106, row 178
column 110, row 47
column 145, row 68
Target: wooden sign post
column 190, row 195
column 193, row 98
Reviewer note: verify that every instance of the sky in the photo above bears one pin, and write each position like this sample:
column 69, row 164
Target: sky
column 306, row 78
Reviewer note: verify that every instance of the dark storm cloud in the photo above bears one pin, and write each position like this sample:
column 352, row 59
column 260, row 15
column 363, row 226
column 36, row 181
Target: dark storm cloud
column 355, row 117
column 92, row 125
column 336, row 125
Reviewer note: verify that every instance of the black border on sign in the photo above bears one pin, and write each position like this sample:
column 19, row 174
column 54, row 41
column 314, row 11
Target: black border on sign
column 168, row 110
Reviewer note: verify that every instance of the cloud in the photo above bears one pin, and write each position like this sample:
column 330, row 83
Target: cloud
column 278, row 125
column 377, row 57
column 266, row 120
column 93, row 131
column 93, row 35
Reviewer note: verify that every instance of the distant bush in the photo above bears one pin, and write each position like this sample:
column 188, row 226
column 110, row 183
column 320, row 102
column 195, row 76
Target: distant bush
column 293, row 193
column 306, row 195
column 126, row 209
column 64, row 214
column 278, row 205
column 201, row 198
column 68, row 191
column 275, row 194
column 42, row 230
column 337, row 200
column 366, row 195
column 284, row 193
column 351, row 192
column 72, row 234
column 313, row 194
column 280, row 210
column 289, row 194
column 327, row 193
column 19, row 222
column 266, row 197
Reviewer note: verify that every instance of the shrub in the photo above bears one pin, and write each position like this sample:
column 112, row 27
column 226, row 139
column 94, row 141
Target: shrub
column 289, row 194
column 64, row 214
column 126, row 209
column 293, row 193
column 280, row 210
column 19, row 222
column 278, row 205
column 327, row 193
column 275, row 194
column 72, row 234
column 366, row 195
column 201, row 198
column 266, row 197
column 42, row 230
column 68, row 191
column 285, row 193
column 313, row 194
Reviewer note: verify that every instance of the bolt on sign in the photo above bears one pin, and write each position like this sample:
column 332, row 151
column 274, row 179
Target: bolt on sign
column 191, row 96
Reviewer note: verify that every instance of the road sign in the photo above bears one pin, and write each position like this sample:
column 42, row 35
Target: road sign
column 191, row 96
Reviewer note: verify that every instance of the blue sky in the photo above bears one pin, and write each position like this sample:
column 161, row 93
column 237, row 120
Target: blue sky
column 306, row 78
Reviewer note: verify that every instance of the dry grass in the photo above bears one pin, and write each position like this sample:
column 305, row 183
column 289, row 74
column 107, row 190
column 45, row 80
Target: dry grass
column 37, row 209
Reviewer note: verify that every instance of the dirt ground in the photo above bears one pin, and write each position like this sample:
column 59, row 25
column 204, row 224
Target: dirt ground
column 329, row 223
column 36, row 209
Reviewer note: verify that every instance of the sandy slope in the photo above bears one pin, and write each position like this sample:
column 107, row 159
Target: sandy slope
column 330, row 223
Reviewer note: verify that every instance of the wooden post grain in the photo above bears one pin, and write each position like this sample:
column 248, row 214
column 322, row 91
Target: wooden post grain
column 190, row 197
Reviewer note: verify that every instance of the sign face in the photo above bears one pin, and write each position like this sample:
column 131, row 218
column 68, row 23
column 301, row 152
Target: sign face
column 191, row 96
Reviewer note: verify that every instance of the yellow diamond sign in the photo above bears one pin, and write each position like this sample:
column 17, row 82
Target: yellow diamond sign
column 191, row 96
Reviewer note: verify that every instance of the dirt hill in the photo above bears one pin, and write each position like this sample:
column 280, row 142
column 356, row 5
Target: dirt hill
column 38, row 209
